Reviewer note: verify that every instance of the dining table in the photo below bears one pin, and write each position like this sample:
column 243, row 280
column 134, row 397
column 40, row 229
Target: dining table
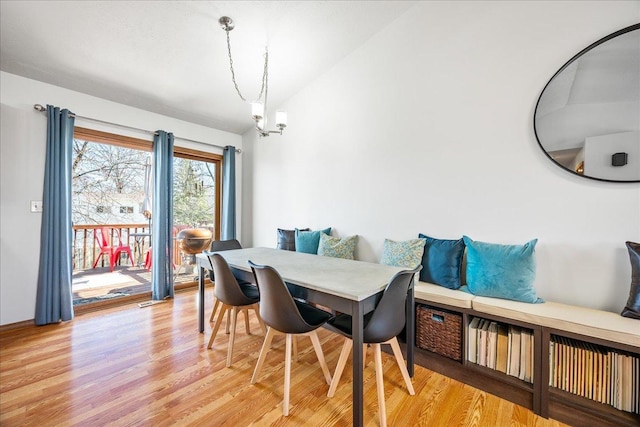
column 347, row 286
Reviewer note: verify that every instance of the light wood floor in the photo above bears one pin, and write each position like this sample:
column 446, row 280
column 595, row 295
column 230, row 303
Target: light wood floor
column 150, row 367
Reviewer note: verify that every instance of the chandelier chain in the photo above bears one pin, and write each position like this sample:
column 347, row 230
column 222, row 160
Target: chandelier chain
column 265, row 72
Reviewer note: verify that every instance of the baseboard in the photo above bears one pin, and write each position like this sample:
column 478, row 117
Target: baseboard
column 17, row 325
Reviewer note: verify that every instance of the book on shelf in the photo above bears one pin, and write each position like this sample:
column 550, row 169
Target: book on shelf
column 572, row 369
column 590, row 372
column 532, row 356
column 514, row 338
column 582, row 367
column 502, row 353
column 492, row 345
column 483, row 332
column 524, row 355
column 472, row 349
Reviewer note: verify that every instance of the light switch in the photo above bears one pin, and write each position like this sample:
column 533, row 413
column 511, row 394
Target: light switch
column 36, row 206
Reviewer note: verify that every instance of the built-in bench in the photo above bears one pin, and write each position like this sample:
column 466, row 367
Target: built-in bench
column 579, row 320
column 545, row 320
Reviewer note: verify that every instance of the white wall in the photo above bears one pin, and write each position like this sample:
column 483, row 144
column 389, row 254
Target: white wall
column 22, row 155
column 427, row 128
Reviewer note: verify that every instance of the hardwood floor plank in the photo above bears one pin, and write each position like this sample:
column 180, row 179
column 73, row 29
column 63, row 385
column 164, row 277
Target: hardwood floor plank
column 150, row 367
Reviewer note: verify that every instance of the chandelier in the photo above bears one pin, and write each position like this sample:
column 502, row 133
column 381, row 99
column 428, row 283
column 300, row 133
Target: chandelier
column 258, row 107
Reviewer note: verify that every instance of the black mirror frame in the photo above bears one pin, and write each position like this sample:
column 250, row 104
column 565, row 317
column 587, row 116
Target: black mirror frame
column 569, row 62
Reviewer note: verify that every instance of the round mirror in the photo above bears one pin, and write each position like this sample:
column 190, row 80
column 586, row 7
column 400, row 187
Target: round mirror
column 587, row 119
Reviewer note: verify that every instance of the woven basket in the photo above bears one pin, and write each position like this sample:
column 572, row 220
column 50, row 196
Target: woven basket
column 439, row 331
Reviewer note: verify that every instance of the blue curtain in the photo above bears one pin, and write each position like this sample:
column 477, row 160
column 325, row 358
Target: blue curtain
column 54, row 302
column 228, row 226
column 162, row 225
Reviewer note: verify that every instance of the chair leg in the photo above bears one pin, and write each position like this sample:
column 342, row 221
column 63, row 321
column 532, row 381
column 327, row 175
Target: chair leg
column 318, row 348
column 364, row 355
column 287, row 374
column 223, row 310
column 294, row 343
column 256, row 308
column 215, row 307
column 246, row 320
column 380, row 385
column 228, row 323
column 342, row 361
column 232, row 337
column 263, row 353
column 401, row 364
column 112, row 261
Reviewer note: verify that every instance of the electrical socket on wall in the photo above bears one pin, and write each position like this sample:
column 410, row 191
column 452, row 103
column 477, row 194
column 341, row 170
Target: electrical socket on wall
column 36, row 206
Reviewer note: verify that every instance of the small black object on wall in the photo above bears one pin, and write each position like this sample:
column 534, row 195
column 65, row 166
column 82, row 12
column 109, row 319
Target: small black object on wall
column 619, row 159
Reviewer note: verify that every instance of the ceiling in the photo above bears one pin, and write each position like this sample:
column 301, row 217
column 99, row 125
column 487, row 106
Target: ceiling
column 170, row 57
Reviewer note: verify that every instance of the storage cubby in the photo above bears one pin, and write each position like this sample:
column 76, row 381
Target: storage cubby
column 560, row 367
column 502, row 347
column 591, row 381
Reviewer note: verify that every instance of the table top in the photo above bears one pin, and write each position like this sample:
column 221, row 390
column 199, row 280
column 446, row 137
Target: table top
column 350, row 279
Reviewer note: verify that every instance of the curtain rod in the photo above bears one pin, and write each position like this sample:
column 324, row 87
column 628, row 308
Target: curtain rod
column 42, row 109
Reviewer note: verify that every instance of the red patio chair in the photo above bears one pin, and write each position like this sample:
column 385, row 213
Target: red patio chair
column 110, row 243
column 147, row 260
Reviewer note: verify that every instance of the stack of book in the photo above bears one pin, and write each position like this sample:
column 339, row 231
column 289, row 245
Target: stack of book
column 505, row 348
column 595, row 372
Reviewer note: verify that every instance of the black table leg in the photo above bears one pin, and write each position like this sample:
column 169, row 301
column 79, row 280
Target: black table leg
column 201, row 274
column 356, row 328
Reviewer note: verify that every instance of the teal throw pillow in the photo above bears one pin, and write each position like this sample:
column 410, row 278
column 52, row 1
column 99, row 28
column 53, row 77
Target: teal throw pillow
column 336, row 247
column 502, row 271
column 407, row 253
column 442, row 262
column 308, row 241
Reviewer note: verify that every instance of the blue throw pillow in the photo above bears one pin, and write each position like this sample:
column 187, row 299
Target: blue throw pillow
column 308, row 241
column 502, row 271
column 442, row 262
column 402, row 254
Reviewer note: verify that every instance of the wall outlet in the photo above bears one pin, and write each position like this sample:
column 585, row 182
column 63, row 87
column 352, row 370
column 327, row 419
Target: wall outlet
column 36, row 206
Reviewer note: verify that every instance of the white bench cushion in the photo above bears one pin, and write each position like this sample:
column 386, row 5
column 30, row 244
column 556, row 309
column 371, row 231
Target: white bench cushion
column 435, row 293
column 579, row 320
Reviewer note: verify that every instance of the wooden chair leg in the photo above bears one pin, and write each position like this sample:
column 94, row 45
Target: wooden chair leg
column 263, row 353
column 401, row 364
column 318, row 348
column 380, row 385
column 245, row 310
column 232, row 337
column 294, row 342
column 287, row 374
column 223, row 310
column 215, row 307
column 364, row 355
column 342, row 361
column 256, row 308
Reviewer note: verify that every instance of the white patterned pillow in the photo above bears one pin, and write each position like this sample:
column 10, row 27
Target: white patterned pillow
column 336, row 247
column 403, row 254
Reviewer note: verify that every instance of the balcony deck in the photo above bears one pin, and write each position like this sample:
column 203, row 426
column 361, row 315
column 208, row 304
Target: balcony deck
column 99, row 284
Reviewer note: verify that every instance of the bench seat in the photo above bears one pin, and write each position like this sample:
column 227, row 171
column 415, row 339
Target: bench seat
column 439, row 294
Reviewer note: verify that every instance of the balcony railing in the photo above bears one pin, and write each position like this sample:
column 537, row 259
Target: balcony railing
column 85, row 249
